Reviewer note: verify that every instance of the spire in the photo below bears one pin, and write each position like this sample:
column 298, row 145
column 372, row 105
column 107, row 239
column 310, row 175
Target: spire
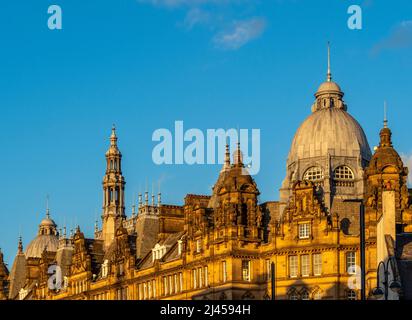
column 159, row 199
column 20, row 246
column 159, row 195
column 153, row 195
column 386, row 133
column 47, row 207
column 133, row 209
column 113, row 137
column 329, row 75
column 226, row 164
column 238, row 156
column 227, row 157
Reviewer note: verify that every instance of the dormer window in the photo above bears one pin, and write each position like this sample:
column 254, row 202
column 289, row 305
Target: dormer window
column 313, row 174
column 105, row 268
column 158, row 252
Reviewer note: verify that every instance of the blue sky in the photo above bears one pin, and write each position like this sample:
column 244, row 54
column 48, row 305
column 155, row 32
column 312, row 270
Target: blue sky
column 143, row 64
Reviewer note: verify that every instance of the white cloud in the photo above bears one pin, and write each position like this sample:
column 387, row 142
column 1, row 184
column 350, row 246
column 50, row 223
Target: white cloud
column 240, row 33
column 400, row 37
column 229, row 34
column 196, row 16
column 407, row 161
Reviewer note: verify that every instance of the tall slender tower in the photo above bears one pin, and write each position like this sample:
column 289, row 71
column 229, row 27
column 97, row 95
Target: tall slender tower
column 113, row 188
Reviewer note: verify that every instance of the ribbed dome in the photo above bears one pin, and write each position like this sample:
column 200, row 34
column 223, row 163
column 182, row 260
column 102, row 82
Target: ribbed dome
column 329, row 130
column 41, row 242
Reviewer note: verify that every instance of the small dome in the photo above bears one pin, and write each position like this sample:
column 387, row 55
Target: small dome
column 47, row 237
column 47, row 222
column 50, row 242
column 329, row 87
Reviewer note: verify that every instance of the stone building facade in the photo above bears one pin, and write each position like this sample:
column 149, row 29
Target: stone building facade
column 222, row 246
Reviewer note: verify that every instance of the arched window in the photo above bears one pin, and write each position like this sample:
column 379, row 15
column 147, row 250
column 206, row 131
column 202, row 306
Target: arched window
column 343, row 173
column 293, row 295
column 305, row 295
column 313, row 174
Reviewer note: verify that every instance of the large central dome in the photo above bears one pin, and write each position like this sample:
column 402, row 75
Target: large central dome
column 329, row 148
column 330, row 131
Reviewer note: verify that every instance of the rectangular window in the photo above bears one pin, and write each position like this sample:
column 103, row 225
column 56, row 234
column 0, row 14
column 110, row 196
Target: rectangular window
column 200, row 271
column 246, row 270
column 170, row 285
column 165, row 290
column 305, row 265
column 224, row 272
column 206, row 277
column 317, row 264
column 351, row 262
column 194, row 275
column 268, row 267
column 304, row 231
column 181, row 281
column 198, row 246
column 293, row 266
column 176, row 284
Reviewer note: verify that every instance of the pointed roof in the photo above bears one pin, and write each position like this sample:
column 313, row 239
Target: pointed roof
column 329, row 87
column 113, row 149
column 329, row 75
column 18, row 272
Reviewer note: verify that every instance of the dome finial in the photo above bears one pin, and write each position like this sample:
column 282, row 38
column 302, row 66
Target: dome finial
column 113, row 137
column 47, row 207
column 329, row 76
column 385, row 119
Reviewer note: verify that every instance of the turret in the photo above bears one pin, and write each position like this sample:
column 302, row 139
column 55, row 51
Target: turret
column 113, row 188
